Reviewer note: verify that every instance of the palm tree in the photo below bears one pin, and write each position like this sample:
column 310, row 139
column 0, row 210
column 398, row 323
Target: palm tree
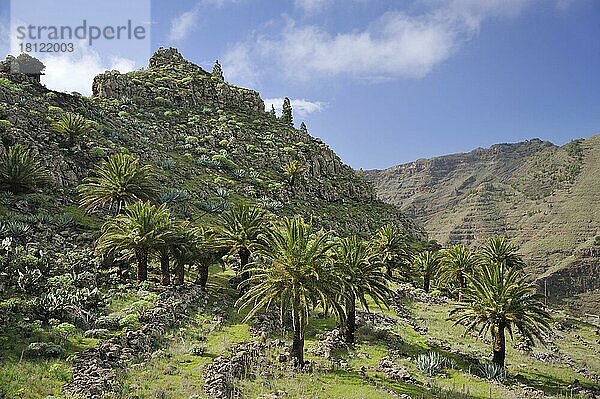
column 427, row 265
column 362, row 276
column 293, row 170
column 72, row 125
column 142, row 230
column 393, row 247
column 20, row 169
column 498, row 299
column 457, row 263
column 121, row 180
column 295, row 275
column 499, row 250
column 186, row 249
column 241, row 230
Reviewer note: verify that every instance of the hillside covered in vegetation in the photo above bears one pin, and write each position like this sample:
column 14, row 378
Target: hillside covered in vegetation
column 544, row 197
column 169, row 238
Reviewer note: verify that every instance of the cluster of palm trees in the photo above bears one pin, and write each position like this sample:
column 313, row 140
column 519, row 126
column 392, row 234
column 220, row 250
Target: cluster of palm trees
column 493, row 293
column 286, row 264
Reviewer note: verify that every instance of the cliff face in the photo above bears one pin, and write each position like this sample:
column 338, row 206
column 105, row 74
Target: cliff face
column 545, row 198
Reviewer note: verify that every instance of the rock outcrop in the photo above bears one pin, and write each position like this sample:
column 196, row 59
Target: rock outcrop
column 175, row 81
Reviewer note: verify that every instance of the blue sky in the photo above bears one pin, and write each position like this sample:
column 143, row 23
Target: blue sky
column 387, row 82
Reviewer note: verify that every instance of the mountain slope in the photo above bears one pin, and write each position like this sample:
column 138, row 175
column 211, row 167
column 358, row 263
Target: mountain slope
column 210, row 144
column 545, row 197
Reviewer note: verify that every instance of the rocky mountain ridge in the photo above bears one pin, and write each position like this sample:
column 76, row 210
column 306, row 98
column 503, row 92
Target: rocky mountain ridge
column 544, row 197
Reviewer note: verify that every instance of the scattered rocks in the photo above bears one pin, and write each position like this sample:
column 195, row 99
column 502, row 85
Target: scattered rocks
column 94, row 369
column 393, row 371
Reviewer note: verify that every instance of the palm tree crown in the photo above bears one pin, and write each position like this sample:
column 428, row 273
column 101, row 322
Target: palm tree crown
column 138, row 233
column 121, row 180
column 20, row 169
column 393, row 247
column 241, row 231
column 458, row 263
column 427, row 265
column 499, row 250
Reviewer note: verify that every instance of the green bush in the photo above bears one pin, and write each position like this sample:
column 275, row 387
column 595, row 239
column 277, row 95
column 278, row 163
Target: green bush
column 597, row 241
column 5, row 125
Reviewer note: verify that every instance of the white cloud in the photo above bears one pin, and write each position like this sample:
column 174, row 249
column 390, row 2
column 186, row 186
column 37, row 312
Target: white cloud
column 238, row 67
column 300, row 107
column 69, row 72
column 184, row 24
column 395, row 45
column 312, row 6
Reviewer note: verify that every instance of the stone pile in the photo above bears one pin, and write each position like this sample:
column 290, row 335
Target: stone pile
column 329, row 343
column 94, row 370
column 393, row 371
column 220, row 375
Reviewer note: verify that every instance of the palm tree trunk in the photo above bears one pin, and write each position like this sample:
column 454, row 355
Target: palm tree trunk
column 244, row 259
column 500, row 345
column 165, row 272
column 349, row 325
column 202, row 275
column 297, row 352
column 141, row 257
column 388, row 270
column 179, row 273
column 426, row 282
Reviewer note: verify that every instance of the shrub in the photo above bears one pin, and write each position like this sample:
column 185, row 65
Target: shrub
column 5, row 125
column 43, row 350
column 597, row 241
column 21, row 170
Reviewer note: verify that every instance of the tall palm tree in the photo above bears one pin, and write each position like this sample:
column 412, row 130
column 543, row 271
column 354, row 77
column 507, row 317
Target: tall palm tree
column 457, row 263
column 240, row 232
column 142, row 230
column 20, row 169
column 427, row 264
column 295, row 275
column 72, row 125
column 393, row 247
column 499, row 299
column 120, row 180
column 499, row 250
column 362, row 276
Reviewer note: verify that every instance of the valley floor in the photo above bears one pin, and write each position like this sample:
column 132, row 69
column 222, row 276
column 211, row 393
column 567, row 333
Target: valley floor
column 381, row 364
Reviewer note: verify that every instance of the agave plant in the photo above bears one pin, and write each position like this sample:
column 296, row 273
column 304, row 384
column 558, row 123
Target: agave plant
column 72, row 125
column 430, row 363
column 21, row 170
column 239, row 174
column 491, row 371
column 63, row 221
column 15, row 228
column 173, row 196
